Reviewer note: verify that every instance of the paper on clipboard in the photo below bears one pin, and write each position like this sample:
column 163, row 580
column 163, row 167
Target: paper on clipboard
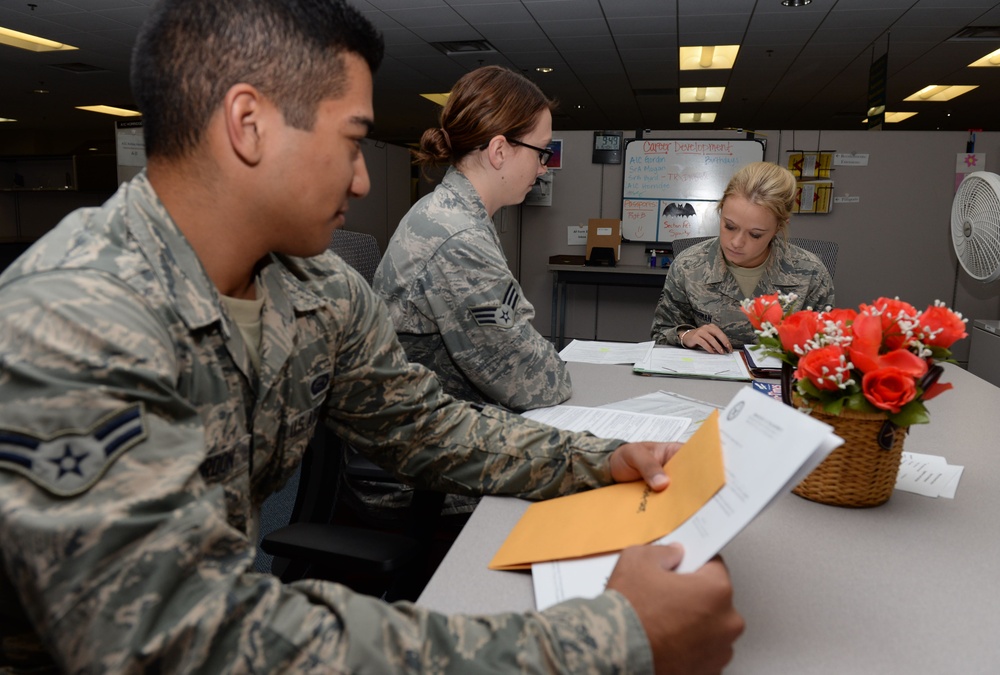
column 680, row 362
column 760, row 364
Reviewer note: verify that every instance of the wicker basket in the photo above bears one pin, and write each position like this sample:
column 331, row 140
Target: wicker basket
column 862, row 472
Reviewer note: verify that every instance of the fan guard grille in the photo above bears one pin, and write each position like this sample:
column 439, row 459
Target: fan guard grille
column 975, row 225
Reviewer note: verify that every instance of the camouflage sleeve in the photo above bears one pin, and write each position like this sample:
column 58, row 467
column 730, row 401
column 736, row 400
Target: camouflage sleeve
column 485, row 323
column 139, row 570
column 396, row 413
column 673, row 310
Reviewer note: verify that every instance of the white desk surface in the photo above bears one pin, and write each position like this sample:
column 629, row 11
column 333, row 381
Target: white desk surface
column 907, row 587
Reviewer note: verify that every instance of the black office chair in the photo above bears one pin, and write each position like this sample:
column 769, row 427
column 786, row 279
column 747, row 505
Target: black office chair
column 680, row 245
column 825, row 250
column 304, row 535
column 390, row 564
column 359, row 250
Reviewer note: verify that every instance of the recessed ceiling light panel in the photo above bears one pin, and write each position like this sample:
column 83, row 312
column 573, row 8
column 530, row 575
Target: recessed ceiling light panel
column 991, row 60
column 940, row 92
column 701, row 94
column 32, row 43
column 708, row 57
column 110, row 110
column 697, row 118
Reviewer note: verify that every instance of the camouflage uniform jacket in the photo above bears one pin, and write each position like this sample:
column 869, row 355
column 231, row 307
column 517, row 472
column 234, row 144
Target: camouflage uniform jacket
column 137, row 443
column 699, row 289
column 458, row 309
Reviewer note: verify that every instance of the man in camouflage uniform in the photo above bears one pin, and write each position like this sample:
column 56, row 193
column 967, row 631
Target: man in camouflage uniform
column 458, row 309
column 141, row 427
column 699, row 289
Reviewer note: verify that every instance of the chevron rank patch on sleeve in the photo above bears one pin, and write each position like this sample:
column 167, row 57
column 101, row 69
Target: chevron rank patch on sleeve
column 502, row 316
column 71, row 461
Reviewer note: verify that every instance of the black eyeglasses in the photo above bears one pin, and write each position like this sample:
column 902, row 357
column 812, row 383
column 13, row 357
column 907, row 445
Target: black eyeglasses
column 544, row 154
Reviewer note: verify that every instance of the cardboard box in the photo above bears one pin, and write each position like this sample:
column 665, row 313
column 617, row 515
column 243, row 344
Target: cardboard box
column 604, row 233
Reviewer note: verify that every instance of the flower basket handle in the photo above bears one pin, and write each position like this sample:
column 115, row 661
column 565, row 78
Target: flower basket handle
column 786, row 383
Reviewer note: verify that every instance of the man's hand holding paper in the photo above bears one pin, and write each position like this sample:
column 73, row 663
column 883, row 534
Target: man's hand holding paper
column 635, row 461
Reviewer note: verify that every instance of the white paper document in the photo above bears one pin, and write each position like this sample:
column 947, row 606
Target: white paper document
column 607, row 353
column 679, row 362
column 767, row 448
column 609, row 423
column 669, row 403
column 928, row 475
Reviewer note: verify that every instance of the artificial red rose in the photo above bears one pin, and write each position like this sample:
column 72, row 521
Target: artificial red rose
column 843, row 317
column 867, row 339
column 764, row 309
column 797, row 329
column 889, row 388
column 904, row 360
column 824, row 367
column 892, row 310
column 939, row 326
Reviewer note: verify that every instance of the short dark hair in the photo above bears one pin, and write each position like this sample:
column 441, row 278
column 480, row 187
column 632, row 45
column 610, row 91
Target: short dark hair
column 190, row 52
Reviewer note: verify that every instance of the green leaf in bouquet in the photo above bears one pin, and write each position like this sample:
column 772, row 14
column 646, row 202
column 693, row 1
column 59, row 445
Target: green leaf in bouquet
column 913, row 412
column 858, row 403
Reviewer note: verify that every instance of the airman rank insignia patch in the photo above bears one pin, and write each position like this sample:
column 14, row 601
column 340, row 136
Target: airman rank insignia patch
column 71, row 461
column 502, row 316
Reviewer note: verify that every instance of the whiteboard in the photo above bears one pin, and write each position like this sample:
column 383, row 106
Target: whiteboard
column 671, row 187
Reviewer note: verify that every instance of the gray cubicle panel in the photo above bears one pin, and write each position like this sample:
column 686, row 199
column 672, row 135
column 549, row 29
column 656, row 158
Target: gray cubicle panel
column 984, row 354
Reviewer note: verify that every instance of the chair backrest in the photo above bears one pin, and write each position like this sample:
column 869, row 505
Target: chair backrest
column 359, row 250
column 682, row 244
column 825, row 250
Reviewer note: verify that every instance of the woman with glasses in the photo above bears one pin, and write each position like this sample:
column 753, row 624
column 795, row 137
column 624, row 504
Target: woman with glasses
column 455, row 303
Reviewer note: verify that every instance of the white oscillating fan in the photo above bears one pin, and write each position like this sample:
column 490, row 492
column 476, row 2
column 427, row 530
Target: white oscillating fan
column 975, row 225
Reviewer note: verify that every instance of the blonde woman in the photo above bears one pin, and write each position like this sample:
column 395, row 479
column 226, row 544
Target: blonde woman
column 700, row 304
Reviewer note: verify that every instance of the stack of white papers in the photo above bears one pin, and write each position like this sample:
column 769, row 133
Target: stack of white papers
column 612, row 423
column 767, row 448
column 928, row 475
column 607, row 353
column 670, row 404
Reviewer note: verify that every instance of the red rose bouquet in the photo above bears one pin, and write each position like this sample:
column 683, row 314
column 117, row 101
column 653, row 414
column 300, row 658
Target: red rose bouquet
column 880, row 358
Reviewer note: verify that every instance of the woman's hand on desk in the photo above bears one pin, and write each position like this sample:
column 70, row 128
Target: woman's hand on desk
column 635, row 461
column 708, row 337
column 689, row 618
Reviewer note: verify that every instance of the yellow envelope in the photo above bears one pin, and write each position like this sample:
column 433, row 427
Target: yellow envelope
column 611, row 518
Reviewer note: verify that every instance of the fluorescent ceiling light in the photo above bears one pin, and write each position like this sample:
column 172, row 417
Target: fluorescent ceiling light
column 701, row 94
column 110, row 110
column 697, row 118
column 940, row 92
column 991, row 60
column 440, row 99
column 709, row 57
column 893, row 117
column 32, row 43
column 7, row 119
